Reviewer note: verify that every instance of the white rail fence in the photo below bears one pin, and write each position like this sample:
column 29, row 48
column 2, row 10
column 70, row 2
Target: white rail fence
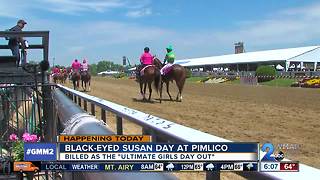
column 167, row 131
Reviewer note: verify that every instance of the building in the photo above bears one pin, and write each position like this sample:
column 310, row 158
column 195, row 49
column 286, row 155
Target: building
column 307, row 58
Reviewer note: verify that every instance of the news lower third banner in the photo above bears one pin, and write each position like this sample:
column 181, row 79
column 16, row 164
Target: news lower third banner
column 150, row 166
column 126, row 152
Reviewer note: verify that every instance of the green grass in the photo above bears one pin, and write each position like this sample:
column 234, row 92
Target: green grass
column 236, row 81
column 194, row 79
column 279, row 82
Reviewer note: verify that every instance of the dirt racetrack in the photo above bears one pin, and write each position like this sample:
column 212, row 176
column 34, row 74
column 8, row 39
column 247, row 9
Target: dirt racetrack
column 234, row 112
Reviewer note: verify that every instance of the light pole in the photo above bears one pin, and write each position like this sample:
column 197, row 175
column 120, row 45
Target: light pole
column 53, row 61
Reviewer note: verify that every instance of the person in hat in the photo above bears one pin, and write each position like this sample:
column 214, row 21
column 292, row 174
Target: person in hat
column 76, row 65
column 145, row 60
column 170, row 57
column 14, row 42
column 85, row 65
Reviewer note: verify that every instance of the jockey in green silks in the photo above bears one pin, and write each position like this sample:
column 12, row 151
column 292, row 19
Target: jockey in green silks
column 170, row 57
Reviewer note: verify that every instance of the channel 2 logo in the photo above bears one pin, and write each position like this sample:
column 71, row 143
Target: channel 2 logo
column 270, row 156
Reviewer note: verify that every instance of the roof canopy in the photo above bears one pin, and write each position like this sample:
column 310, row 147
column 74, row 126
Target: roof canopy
column 305, row 54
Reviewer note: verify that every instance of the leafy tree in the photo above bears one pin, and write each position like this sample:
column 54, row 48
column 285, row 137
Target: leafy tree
column 108, row 66
column 93, row 69
column 265, row 73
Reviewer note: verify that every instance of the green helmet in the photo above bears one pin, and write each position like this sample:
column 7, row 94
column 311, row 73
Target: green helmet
column 170, row 47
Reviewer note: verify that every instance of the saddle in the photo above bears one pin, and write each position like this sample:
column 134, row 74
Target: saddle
column 166, row 69
column 142, row 70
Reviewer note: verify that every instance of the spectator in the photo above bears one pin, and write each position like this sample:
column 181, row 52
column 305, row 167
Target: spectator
column 14, row 42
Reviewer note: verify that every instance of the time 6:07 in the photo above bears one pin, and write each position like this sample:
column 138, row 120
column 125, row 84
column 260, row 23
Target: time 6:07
column 270, row 166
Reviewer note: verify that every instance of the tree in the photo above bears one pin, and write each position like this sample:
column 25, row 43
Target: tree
column 108, row 66
column 93, row 69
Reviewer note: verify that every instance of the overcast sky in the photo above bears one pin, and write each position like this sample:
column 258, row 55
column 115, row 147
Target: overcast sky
column 109, row 29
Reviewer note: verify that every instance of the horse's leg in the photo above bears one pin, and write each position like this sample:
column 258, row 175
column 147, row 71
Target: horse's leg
column 141, row 92
column 150, row 90
column 180, row 83
column 74, row 85
column 179, row 92
column 82, row 86
column 89, row 85
column 144, row 90
column 161, row 85
column 167, row 84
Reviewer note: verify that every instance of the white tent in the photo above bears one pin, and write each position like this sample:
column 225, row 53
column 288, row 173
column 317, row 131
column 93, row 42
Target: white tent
column 108, row 73
column 132, row 69
column 301, row 54
column 279, row 67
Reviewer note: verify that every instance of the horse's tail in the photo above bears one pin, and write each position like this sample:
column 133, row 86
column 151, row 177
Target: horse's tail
column 157, row 79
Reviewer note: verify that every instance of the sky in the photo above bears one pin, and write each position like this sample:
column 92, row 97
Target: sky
column 110, row 29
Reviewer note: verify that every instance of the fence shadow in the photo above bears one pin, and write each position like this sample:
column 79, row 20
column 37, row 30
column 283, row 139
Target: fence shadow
column 143, row 101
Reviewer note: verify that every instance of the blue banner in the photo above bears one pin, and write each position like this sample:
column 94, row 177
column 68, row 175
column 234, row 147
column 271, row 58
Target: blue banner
column 40, row 152
column 159, row 147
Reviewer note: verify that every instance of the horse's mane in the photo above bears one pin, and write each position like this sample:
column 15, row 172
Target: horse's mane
column 158, row 62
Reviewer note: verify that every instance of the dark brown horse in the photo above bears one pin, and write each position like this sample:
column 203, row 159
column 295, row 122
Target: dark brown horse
column 64, row 76
column 150, row 74
column 75, row 77
column 85, row 78
column 177, row 73
column 56, row 77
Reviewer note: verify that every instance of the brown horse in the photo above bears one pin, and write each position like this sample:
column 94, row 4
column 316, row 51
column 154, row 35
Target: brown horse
column 64, row 76
column 75, row 77
column 85, row 78
column 177, row 73
column 151, row 73
column 56, row 77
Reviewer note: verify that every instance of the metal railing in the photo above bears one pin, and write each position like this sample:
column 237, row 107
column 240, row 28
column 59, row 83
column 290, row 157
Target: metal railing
column 44, row 35
column 167, row 131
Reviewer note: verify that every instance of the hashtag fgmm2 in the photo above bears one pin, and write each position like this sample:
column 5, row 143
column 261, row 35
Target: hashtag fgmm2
column 37, row 151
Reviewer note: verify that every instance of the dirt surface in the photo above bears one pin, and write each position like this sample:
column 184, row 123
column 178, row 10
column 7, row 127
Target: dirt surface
column 235, row 112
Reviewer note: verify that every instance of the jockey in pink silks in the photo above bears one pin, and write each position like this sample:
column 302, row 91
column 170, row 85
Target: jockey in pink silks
column 84, row 66
column 145, row 60
column 76, row 65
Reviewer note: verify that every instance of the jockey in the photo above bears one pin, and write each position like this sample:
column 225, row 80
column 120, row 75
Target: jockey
column 76, row 65
column 169, row 58
column 84, row 66
column 56, row 70
column 145, row 59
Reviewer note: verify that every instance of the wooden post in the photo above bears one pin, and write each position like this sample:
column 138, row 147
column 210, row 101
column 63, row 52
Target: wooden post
column 85, row 105
column 93, row 110
column 119, row 125
column 103, row 115
column 79, row 101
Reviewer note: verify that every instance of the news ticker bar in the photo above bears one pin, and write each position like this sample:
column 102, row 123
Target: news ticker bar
column 124, row 152
column 289, row 166
column 152, row 166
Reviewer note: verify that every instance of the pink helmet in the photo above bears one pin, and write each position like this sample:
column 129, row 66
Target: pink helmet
column 84, row 61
